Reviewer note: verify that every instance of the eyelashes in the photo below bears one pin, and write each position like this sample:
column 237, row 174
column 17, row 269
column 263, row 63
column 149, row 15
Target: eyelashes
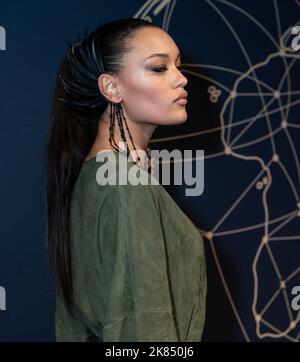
column 162, row 69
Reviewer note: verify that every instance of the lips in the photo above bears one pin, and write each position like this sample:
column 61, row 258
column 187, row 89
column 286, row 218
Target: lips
column 182, row 96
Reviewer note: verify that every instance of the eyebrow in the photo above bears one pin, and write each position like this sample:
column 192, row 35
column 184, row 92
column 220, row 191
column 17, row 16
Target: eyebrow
column 162, row 55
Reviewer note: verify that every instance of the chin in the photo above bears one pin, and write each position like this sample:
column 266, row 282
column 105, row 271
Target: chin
column 182, row 119
column 175, row 122
column 174, row 119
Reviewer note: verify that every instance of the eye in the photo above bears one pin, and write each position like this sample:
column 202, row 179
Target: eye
column 159, row 69
column 162, row 69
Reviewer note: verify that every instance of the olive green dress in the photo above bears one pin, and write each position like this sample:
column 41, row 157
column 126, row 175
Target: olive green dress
column 138, row 262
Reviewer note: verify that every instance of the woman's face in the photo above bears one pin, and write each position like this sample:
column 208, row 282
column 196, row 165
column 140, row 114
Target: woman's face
column 150, row 84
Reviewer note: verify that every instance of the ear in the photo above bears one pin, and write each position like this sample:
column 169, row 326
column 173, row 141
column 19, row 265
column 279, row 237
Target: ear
column 108, row 86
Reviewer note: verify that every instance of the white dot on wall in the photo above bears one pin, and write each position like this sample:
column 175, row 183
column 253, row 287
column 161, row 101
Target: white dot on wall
column 265, row 180
column 259, row 185
column 257, row 318
column 282, row 284
column 209, row 235
column 227, row 150
column 233, row 94
column 282, row 52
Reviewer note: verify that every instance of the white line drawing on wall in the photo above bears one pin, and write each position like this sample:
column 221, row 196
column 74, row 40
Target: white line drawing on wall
column 275, row 106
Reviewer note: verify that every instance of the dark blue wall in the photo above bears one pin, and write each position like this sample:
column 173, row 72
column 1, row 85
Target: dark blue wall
column 228, row 46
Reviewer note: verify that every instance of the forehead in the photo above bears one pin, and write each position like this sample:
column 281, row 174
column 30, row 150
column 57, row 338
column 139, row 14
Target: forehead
column 147, row 41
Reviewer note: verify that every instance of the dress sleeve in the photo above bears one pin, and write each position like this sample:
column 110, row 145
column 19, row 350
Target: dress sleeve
column 137, row 304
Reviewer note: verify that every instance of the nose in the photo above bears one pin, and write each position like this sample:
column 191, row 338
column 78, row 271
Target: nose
column 181, row 80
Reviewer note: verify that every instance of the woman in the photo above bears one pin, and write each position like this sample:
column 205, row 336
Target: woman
column 129, row 264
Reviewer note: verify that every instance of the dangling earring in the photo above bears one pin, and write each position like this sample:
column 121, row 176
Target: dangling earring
column 122, row 118
column 120, row 124
column 116, row 111
column 112, row 126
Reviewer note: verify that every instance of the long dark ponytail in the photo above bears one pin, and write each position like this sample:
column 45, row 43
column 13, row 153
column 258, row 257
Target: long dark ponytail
column 77, row 106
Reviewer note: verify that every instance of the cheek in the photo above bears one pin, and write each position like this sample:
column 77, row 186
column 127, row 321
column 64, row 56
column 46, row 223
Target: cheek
column 149, row 105
column 155, row 110
column 146, row 90
column 149, row 100
column 146, row 96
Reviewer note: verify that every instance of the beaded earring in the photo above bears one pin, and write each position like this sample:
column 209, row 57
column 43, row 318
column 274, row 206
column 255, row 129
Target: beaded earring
column 116, row 111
